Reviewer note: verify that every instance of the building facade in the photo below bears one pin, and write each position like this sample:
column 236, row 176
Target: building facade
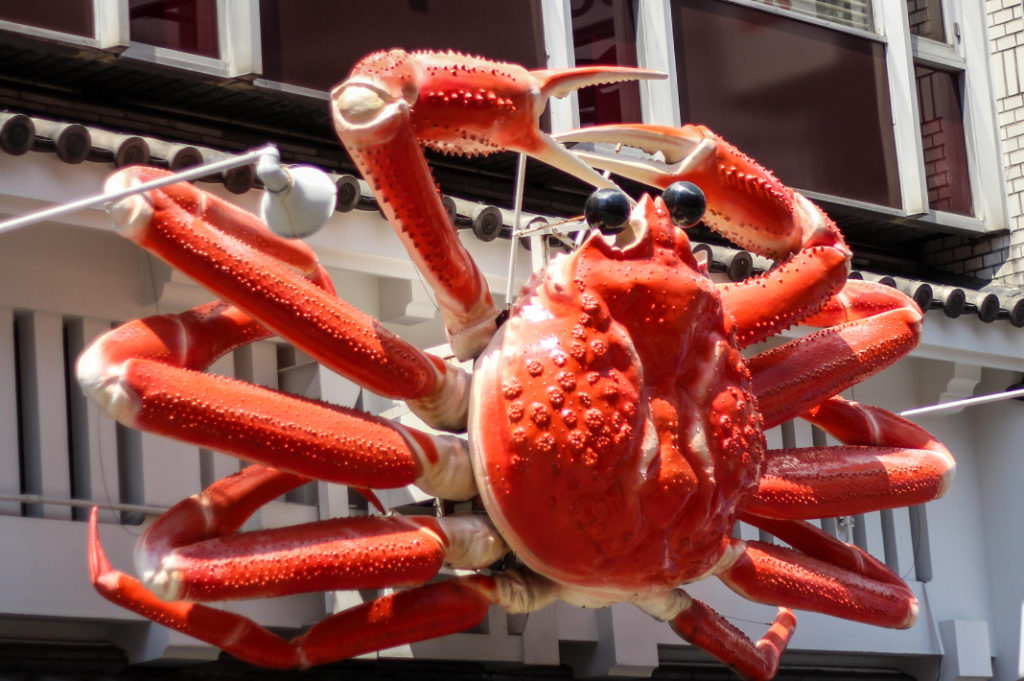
column 902, row 119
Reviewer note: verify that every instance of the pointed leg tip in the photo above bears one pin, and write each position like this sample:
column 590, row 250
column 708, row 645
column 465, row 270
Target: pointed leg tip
column 99, row 565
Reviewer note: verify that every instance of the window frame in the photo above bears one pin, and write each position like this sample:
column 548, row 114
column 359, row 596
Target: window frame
column 238, row 34
column 238, row 37
column 110, row 28
column 967, row 53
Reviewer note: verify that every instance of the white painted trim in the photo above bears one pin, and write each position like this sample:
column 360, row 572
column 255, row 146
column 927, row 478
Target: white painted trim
column 942, row 221
column 48, row 34
column 110, row 21
column 814, row 20
column 176, row 59
column 905, row 112
column 277, row 85
column 981, row 128
column 655, row 49
column 556, row 22
column 938, row 54
column 239, row 34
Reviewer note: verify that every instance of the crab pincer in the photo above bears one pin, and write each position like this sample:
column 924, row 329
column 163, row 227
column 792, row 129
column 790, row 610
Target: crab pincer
column 394, row 102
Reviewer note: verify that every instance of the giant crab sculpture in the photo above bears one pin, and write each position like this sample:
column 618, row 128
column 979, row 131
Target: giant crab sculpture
column 615, row 428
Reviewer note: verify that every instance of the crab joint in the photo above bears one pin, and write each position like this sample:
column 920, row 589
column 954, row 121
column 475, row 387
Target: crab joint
column 444, row 462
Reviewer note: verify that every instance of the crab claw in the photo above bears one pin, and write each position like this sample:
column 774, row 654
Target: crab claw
column 464, row 105
column 746, row 203
column 395, row 101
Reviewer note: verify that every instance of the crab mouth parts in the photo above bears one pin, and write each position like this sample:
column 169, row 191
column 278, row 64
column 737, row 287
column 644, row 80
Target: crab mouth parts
column 631, row 242
column 364, row 106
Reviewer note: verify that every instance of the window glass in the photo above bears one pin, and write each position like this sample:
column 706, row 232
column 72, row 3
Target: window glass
column 183, row 25
column 852, row 13
column 66, row 16
column 942, row 138
column 809, row 102
column 315, row 43
column 926, row 19
column 603, row 33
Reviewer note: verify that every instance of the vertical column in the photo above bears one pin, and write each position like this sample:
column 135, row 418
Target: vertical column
column 556, row 18
column 906, row 119
column 46, row 465
column 170, row 470
column 10, row 466
column 239, row 33
column 93, row 434
column 655, row 49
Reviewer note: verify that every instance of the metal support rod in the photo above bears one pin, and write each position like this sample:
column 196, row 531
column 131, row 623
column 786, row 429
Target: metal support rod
column 183, row 176
column 518, row 210
column 968, row 402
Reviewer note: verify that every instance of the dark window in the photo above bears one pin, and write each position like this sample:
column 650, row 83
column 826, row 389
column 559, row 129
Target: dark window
column 942, row 138
column 315, row 43
column 183, row 25
column 66, row 16
column 926, row 19
column 603, row 33
column 810, row 103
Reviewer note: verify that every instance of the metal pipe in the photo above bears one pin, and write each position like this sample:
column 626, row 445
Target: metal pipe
column 100, row 199
column 514, row 241
column 969, row 402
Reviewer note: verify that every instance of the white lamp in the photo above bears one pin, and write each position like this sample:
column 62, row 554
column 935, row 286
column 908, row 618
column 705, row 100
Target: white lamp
column 298, row 200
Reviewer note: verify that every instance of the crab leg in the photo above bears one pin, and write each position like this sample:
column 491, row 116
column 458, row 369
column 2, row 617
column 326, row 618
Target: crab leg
column 394, row 101
column 280, row 284
column 402, row 617
column 892, row 463
column 749, row 206
column 703, row 627
column 814, row 541
column 884, row 326
column 146, row 374
column 781, row 576
column 192, row 552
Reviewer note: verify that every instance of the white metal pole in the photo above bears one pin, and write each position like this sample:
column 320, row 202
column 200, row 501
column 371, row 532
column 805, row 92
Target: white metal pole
column 516, row 215
column 100, row 199
column 969, row 402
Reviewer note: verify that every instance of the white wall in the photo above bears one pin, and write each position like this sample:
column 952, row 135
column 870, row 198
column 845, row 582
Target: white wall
column 79, row 269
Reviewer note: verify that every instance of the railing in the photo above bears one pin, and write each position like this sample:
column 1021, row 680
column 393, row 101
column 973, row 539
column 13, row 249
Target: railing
column 898, row 537
column 63, row 455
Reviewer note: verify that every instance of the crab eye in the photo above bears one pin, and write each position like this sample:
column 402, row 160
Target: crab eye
column 685, row 202
column 607, row 210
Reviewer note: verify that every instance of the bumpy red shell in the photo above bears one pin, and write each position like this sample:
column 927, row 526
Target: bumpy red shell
column 614, row 426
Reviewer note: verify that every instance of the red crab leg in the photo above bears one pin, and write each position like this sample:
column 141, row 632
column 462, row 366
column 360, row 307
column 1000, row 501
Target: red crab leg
column 703, row 627
column 776, row 575
column 232, row 254
column 192, row 552
column 798, row 375
column 749, row 206
column 814, row 541
column 403, row 617
column 894, row 463
column 144, row 374
column 394, row 101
